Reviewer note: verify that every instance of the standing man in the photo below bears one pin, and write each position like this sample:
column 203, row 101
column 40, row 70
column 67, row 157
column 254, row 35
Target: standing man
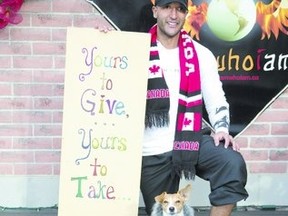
column 183, row 77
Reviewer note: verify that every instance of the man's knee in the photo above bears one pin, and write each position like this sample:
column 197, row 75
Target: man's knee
column 237, row 165
column 229, row 186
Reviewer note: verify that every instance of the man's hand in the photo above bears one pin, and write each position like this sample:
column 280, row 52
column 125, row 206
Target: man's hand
column 104, row 29
column 227, row 139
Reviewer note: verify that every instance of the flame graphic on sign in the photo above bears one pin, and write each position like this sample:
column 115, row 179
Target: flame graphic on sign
column 272, row 18
column 196, row 18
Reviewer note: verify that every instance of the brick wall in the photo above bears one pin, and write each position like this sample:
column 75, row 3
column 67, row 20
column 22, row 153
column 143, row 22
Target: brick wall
column 32, row 66
column 32, row 61
column 265, row 142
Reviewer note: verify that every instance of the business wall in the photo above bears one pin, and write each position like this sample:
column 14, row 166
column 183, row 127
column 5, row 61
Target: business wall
column 32, row 66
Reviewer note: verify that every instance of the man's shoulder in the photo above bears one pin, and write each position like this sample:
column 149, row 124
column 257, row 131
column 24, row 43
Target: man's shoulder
column 202, row 50
column 199, row 46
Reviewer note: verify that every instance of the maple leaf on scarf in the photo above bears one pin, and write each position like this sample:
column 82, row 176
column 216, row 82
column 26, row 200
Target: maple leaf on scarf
column 154, row 69
column 187, row 122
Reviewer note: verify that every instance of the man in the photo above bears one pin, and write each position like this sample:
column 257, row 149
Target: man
column 181, row 73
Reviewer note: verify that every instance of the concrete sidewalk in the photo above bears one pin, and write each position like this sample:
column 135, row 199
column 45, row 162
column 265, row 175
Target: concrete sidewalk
column 280, row 211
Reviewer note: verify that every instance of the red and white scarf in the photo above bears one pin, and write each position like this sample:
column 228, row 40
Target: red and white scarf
column 189, row 116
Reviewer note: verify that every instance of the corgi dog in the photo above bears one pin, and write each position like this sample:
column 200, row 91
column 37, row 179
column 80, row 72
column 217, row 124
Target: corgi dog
column 173, row 204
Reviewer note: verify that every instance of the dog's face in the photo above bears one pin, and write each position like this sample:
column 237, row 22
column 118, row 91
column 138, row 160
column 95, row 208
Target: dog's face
column 172, row 204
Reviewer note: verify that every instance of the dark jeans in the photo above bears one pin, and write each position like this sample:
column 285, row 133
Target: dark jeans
column 225, row 169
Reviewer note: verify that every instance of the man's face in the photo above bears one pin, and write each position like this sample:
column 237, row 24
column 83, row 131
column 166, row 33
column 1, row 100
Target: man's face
column 170, row 18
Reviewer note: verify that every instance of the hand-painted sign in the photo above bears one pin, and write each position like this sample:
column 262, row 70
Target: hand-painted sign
column 102, row 125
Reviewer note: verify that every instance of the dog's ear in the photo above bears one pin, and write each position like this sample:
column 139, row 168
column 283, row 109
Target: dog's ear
column 160, row 197
column 185, row 191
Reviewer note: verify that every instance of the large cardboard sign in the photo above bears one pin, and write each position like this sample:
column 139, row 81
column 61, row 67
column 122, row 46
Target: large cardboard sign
column 249, row 39
column 103, row 122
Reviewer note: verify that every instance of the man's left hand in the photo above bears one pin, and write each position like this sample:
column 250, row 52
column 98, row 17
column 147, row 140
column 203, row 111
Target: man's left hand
column 227, row 139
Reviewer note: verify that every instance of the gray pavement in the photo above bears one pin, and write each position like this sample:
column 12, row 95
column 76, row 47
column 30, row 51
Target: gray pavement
column 247, row 211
